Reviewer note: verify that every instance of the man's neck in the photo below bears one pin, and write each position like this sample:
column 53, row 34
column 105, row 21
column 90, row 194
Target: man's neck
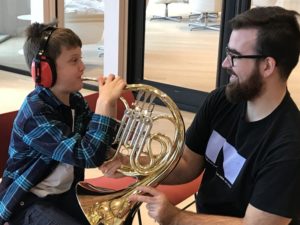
column 266, row 103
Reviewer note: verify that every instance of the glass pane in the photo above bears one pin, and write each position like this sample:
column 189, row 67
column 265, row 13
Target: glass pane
column 15, row 17
column 294, row 79
column 182, row 50
column 86, row 19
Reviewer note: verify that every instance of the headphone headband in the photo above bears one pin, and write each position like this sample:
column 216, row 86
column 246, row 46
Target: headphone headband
column 45, row 39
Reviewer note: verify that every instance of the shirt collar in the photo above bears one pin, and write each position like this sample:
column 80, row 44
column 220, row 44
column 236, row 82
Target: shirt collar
column 46, row 94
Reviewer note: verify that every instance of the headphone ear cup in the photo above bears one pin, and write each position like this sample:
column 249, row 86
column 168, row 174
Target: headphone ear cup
column 43, row 71
column 36, row 71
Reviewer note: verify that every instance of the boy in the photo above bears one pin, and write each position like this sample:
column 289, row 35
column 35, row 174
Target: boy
column 55, row 135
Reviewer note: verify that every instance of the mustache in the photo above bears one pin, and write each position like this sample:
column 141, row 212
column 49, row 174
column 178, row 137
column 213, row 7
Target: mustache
column 230, row 71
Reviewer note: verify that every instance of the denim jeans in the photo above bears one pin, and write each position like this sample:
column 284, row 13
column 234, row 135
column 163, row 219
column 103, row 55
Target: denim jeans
column 60, row 209
column 43, row 214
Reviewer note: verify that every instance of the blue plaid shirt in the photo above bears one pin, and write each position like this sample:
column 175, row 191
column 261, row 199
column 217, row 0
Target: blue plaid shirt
column 44, row 134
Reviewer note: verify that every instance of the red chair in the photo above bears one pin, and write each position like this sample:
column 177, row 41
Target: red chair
column 175, row 193
column 6, row 124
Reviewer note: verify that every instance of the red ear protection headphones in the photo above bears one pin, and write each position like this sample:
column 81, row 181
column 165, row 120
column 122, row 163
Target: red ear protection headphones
column 43, row 68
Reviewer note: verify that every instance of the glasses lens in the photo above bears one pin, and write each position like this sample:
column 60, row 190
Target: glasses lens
column 229, row 57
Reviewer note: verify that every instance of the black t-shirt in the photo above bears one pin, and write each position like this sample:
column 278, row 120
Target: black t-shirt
column 247, row 162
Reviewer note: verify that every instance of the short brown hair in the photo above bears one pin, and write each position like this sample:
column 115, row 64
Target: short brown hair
column 278, row 34
column 61, row 37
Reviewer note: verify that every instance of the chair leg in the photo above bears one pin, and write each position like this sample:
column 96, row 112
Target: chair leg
column 167, row 17
column 190, row 204
column 100, row 50
column 139, row 217
column 202, row 22
column 167, row 10
column 130, row 217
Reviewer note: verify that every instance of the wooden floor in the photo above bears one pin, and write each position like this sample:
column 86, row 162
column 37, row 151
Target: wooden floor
column 188, row 60
column 176, row 55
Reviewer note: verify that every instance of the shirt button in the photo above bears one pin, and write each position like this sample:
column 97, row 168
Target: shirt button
column 22, row 203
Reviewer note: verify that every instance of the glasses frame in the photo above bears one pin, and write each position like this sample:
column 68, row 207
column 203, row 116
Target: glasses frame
column 231, row 56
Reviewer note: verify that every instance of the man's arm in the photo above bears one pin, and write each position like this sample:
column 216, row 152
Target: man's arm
column 160, row 209
column 253, row 216
column 190, row 166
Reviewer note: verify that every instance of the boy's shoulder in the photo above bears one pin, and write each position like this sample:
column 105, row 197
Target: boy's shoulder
column 40, row 100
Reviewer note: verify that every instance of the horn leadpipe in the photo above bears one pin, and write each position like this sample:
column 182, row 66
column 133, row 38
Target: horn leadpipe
column 89, row 79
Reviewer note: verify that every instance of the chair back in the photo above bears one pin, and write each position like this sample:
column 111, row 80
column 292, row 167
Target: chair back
column 167, row 1
column 6, row 124
column 198, row 6
column 260, row 3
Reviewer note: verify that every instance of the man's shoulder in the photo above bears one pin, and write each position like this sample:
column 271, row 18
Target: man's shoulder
column 288, row 114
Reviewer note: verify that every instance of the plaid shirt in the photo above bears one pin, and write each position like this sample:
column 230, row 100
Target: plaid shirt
column 44, row 134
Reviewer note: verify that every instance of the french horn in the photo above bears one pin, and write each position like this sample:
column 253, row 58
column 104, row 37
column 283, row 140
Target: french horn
column 137, row 139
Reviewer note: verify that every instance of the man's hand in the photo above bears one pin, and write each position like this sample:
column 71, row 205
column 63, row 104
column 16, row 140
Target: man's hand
column 159, row 207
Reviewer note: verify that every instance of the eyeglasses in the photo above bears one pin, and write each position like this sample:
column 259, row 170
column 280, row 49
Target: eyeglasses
column 232, row 56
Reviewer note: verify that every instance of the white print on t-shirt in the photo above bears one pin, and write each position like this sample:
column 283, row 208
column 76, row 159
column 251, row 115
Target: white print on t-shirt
column 233, row 161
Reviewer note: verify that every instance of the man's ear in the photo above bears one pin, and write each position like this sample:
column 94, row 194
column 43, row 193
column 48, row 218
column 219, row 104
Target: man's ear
column 269, row 66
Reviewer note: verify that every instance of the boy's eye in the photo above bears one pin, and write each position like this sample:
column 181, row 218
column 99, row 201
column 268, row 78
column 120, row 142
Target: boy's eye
column 74, row 60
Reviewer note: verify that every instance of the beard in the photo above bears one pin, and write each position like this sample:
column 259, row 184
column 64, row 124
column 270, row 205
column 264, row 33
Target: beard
column 247, row 90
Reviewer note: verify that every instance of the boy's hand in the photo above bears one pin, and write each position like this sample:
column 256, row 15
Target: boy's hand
column 110, row 90
column 110, row 168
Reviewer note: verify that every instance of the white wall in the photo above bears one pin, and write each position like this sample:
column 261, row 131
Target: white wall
column 290, row 4
column 115, row 37
column 42, row 11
